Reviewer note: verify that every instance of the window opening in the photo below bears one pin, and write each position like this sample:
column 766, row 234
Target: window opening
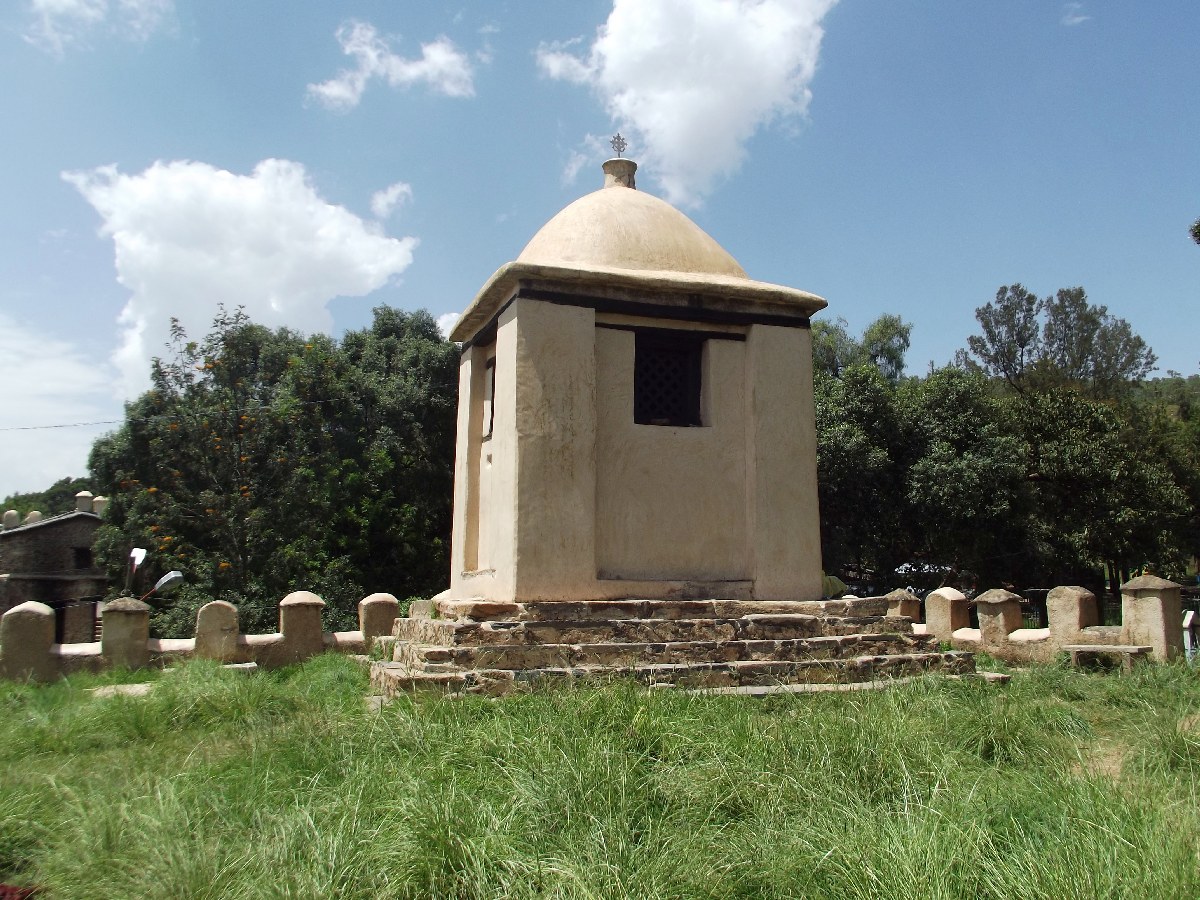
column 666, row 378
column 489, row 397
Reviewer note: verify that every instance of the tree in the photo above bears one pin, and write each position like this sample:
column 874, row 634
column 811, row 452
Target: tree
column 966, row 488
column 1059, row 341
column 1196, row 231
column 884, row 344
column 264, row 462
column 863, row 453
column 57, row 499
column 1106, row 493
column 1011, row 342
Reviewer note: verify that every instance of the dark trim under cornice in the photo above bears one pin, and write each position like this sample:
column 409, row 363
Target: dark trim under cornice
column 693, row 312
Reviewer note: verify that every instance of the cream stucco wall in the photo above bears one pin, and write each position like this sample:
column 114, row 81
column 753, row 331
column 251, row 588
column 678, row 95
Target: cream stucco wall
column 570, row 499
column 671, row 501
column 555, row 427
column 785, row 530
column 483, row 553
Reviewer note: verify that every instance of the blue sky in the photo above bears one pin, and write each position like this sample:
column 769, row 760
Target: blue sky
column 313, row 160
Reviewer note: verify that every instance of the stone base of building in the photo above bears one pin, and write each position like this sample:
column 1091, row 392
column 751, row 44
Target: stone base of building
column 489, row 647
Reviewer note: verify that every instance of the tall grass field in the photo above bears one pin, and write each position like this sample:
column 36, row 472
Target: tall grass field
column 221, row 785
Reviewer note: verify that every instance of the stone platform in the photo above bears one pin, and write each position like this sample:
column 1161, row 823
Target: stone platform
column 477, row 646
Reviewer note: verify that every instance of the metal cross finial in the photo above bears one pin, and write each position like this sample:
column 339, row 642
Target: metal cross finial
column 618, row 144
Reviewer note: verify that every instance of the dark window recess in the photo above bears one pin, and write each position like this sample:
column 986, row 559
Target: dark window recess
column 83, row 557
column 489, row 397
column 666, row 378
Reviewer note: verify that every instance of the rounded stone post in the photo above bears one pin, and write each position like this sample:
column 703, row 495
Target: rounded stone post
column 99, row 505
column 300, row 623
column 1152, row 615
column 26, row 642
column 1070, row 610
column 12, row 519
column 125, row 634
column 903, row 603
column 946, row 612
column 999, row 616
column 217, row 631
column 376, row 615
column 83, row 501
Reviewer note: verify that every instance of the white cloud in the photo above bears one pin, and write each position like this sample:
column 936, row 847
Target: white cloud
column 391, row 198
column 1073, row 14
column 593, row 148
column 446, row 323
column 60, row 23
column 143, row 17
column 48, row 382
column 695, row 79
column 442, row 66
column 188, row 236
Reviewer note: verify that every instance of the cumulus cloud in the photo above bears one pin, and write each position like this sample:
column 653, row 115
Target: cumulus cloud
column 188, row 236
column 441, row 66
column 48, row 382
column 391, row 198
column 446, row 323
column 59, row 23
column 1073, row 14
column 695, row 79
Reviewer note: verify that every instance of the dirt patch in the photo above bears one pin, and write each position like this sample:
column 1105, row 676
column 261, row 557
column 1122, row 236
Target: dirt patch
column 1105, row 760
column 126, row 690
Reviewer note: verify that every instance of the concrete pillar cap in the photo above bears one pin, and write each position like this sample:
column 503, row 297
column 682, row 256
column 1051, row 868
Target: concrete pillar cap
column 997, row 595
column 619, row 173
column 301, row 598
column 126, row 604
column 1148, row 583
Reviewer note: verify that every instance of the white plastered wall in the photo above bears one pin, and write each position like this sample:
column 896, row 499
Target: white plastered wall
column 670, row 501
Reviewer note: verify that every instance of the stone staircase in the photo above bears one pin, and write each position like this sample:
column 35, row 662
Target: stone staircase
column 477, row 646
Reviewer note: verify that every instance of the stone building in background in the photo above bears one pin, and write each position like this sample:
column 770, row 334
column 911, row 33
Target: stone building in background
column 49, row 559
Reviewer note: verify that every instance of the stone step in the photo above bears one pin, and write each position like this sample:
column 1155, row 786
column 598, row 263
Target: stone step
column 637, row 608
column 388, row 679
column 634, row 608
column 534, row 656
column 448, row 633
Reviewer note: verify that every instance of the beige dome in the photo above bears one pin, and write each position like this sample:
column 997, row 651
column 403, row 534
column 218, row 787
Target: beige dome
column 620, row 228
column 631, row 247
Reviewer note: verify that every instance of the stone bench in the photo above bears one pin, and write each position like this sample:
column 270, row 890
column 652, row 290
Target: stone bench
column 1105, row 656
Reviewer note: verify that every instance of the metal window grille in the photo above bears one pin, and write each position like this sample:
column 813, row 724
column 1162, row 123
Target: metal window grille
column 666, row 379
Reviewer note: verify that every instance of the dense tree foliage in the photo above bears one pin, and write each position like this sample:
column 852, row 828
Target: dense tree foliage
column 262, row 462
column 1038, row 465
column 1055, row 342
column 57, row 499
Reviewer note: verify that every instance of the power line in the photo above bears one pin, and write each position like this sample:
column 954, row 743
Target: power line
column 161, row 416
column 65, row 425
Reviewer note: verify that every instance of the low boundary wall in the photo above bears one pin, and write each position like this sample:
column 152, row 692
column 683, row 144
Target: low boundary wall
column 1151, row 621
column 28, row 650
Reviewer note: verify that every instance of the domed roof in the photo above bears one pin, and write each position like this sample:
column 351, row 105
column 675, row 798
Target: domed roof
column 621, row 241
column 618, row 227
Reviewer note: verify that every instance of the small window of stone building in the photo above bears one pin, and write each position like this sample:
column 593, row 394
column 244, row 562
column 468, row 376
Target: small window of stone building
column 489, row 397
column 83, row 557
column 666, row 378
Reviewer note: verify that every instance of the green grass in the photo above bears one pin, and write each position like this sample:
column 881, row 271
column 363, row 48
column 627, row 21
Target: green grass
column 283, row 784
